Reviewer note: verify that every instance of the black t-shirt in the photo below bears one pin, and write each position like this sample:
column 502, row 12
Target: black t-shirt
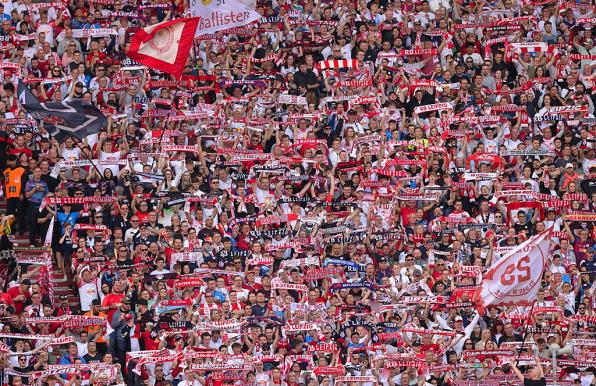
column 527, row 228
column 97, row 358
column 531, row 382
column 127, row 261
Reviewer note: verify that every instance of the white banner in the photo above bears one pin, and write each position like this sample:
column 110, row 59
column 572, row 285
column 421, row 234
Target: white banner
column 433, row 107
column 93, row 32
column 515, row 278
column 217, row 15
column 292, row 99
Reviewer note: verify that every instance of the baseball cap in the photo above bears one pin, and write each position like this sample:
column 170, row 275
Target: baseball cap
column 569, row 165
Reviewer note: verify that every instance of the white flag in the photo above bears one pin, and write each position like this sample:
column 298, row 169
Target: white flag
column 50, row 233
column 217, row 15
column 516, row 277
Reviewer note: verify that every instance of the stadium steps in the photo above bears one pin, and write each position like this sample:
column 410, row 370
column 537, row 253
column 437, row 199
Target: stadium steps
column 61, row 285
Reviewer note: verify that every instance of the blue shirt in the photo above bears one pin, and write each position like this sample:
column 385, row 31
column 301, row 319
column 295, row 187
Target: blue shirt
column 91, row 26
column 38, row 196
column 66, row 360
column 70, row 218
column 76, row 23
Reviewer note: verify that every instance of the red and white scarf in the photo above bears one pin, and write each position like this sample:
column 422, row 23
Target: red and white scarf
column 336, row 63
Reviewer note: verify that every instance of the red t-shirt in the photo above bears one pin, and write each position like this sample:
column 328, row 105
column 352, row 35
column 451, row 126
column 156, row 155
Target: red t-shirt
column 405, row 212
column 5, row 298
column 101, row 55
column 19, row 306
column 143, row 217
column 17, row 151
column 111, row 299
column 431, row 347
column 150, row 344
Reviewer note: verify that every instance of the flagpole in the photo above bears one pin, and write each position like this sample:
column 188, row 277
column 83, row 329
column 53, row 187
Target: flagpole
column 525, row 333
column 174, row 107
column 89, row 159
column 49, row 266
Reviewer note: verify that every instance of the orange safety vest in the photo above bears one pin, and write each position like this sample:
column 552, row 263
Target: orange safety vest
column 12, row 182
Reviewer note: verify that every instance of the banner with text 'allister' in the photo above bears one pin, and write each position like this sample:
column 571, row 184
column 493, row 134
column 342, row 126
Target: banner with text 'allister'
column 217, row 15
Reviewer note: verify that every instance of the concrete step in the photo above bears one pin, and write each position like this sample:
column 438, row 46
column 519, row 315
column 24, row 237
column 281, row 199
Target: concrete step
column 73, row 300
column 20, row 242
column 26, row 250
column 61, row 287
column 59, row 280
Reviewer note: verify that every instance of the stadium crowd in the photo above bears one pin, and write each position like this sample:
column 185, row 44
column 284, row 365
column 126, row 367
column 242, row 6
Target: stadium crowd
column 312, row 204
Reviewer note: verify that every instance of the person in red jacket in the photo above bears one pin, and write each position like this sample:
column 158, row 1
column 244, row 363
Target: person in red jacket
column 20, row 294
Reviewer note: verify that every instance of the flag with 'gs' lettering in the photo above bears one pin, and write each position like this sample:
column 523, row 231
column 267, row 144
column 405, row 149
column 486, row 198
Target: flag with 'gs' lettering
column 516, row 277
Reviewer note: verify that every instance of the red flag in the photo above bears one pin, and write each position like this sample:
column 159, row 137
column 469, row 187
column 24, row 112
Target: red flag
column 164, row 46
column 515, row 278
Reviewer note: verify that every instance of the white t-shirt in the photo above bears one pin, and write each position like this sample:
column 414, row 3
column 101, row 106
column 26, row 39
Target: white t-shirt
column 162, row 272
column 82, row 349
column 193, row 382
column 71, row 154
column 130, row 232
column 87, row 293
column 47, row 29
column 103, row 156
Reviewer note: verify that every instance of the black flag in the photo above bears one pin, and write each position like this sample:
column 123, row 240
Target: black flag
column 62, row 119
